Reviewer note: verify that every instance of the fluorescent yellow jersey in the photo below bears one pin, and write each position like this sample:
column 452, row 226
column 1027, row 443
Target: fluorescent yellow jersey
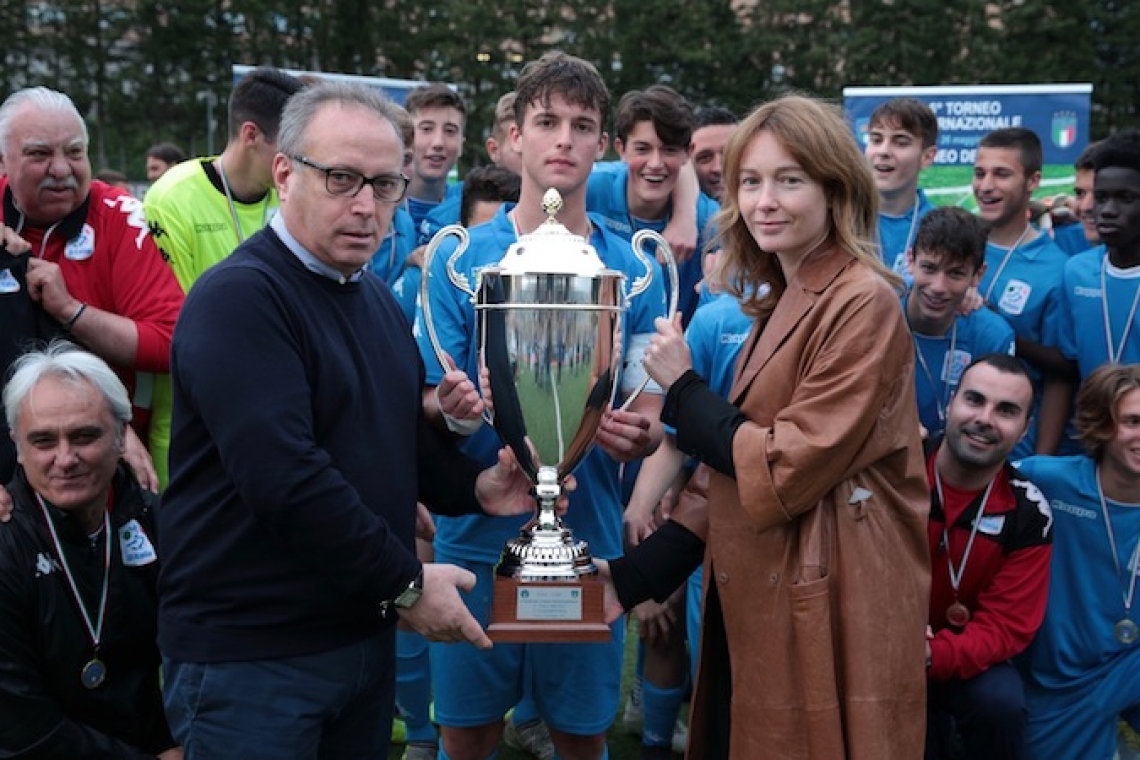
column 192, row 220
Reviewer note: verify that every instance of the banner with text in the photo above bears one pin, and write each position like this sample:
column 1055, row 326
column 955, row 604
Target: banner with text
column 1058, row 113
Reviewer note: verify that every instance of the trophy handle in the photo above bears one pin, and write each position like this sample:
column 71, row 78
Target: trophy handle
column 641, row 284
column 457, row 279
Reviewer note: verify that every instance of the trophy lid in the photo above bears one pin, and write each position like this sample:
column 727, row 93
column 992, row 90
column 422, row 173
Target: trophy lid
column 552, row 249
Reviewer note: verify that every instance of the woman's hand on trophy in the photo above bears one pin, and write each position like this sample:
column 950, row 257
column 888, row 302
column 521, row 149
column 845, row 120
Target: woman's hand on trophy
column 440, row 614
column 459, row 400
column 611, row 604
column 667, row 357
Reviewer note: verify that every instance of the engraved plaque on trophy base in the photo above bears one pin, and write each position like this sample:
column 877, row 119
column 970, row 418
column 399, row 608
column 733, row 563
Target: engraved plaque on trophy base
column 549, row 611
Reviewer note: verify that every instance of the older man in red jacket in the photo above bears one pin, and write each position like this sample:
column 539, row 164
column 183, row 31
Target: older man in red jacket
column 93, row 268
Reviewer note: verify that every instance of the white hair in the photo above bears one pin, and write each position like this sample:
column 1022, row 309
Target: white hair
column 39, row 97
column 65, row 360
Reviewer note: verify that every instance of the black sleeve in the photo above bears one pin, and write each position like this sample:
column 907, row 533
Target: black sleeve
column 657, row 566
column 1032, row 523
column 446, row 475
column 704, row 421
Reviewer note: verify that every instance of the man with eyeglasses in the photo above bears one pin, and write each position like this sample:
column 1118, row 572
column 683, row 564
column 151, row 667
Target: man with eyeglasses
column 301, row 452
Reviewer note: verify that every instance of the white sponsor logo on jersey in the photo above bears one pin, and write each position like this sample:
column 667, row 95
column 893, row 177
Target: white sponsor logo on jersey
column 133, row 209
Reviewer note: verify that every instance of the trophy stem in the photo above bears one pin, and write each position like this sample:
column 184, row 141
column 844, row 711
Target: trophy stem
column 547, row 491
column 546, row 550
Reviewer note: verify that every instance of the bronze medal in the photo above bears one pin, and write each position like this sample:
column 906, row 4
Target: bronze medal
column 957, row 615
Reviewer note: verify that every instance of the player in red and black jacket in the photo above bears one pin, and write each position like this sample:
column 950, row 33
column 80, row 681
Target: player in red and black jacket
column 991, row 541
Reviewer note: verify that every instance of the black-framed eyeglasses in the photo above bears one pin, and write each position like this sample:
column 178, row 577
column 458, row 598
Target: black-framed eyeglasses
column 346, row 183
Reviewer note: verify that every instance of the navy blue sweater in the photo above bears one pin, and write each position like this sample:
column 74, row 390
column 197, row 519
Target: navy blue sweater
column 298, row 451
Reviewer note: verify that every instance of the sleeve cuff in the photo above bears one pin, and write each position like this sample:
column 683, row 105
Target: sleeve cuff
column 705, row 422
column 657, row 566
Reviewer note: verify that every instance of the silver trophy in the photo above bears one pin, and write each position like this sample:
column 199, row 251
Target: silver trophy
column 548, row 330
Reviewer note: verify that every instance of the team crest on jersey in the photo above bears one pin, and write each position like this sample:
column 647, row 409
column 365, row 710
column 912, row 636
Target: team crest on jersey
column 1015, row 297
column 8, row 282
column 82, row 246
column 1064, row 130
column 46, row 565
column 134, row 545
column 901, row 267
column 954, row 365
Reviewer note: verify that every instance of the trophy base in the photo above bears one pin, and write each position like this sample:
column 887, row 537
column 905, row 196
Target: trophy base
column 549, row 611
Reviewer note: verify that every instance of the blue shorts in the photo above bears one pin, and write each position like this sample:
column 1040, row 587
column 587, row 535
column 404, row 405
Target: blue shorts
column 1082, row 723
column 575, row 687
column 326, row 705
column 693, row 591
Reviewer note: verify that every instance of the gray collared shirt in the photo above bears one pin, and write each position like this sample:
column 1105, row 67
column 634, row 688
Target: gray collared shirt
column 310, row 262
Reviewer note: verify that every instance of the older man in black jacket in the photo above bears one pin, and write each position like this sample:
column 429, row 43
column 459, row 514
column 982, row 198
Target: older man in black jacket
column 78, row 567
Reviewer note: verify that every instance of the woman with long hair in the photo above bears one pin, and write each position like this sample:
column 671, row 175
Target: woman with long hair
column 811, row 502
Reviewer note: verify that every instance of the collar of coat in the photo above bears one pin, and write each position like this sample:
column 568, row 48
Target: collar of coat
column 820, row 269
column 814, row 275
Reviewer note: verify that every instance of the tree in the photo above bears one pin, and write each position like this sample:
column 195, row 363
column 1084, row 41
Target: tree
column 1053, row 37
column 1116, row 29
column 696, row 48
column 146, row 70
column 910, row 42
column 17, row 56
column 184, row 57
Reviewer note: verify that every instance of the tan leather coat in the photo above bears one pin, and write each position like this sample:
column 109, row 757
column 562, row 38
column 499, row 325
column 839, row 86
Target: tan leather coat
column 817, row 550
